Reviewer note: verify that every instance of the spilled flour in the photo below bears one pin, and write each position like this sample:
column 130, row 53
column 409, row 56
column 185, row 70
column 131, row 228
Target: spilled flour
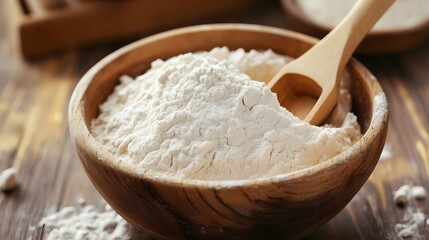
column 414, row 220
column 87, row 223
column 201, row 116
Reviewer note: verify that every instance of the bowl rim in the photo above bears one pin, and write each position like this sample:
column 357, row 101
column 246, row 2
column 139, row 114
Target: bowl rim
column 81, row 134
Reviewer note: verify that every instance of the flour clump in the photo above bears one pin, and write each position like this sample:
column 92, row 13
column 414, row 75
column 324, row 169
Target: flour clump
column 414, row 219
column 203, row 116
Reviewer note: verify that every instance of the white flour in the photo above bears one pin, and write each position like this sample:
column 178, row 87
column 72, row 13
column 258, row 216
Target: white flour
column 8, row 179
column 402, row 14
column 386, row 154
column 197, row 116
column 418, row 192
column 87, row 223
column 414, row 220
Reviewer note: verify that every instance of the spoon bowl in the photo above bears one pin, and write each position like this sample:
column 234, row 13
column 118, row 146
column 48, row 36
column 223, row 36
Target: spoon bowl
column 309, row 86
column 286, row 206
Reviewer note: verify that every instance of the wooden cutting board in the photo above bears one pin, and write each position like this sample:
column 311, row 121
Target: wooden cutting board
column 45, row 26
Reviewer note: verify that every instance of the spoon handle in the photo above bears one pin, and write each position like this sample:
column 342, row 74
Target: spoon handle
column 355, row 26
column 332, row 53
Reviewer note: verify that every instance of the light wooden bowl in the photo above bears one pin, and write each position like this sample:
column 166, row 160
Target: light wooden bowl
column 283, row 206
column 376, row 42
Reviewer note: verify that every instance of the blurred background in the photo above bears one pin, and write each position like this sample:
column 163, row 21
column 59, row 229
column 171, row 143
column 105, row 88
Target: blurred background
column 47, row 45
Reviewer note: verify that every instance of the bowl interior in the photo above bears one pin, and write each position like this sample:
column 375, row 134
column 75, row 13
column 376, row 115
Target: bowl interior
column 135, row 59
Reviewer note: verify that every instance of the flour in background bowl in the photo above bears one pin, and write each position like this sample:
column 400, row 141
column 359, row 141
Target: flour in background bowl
column 403, row 15
column 200, row 116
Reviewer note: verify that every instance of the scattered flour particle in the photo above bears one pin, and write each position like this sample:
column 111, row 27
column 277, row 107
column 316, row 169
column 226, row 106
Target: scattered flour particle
column 400, row 196
column 414, row 220
column 80, row 200
column 8, row 179
column 418, row 192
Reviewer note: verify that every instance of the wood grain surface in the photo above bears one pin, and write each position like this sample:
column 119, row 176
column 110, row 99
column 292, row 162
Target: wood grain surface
column 34, row 137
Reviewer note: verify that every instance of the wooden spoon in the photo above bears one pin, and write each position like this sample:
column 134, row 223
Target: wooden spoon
column 309, row 86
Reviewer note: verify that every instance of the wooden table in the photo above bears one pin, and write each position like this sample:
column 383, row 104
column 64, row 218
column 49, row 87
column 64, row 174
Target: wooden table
column 34, row 137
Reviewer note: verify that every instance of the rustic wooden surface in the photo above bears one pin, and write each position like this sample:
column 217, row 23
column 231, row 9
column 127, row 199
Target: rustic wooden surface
column 34, row 137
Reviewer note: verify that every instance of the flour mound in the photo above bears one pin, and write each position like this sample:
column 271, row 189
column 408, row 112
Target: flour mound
column 198, row 116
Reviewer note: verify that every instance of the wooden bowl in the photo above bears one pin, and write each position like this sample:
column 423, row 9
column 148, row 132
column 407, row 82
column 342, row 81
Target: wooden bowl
column 376, row 42
column 283, row 206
